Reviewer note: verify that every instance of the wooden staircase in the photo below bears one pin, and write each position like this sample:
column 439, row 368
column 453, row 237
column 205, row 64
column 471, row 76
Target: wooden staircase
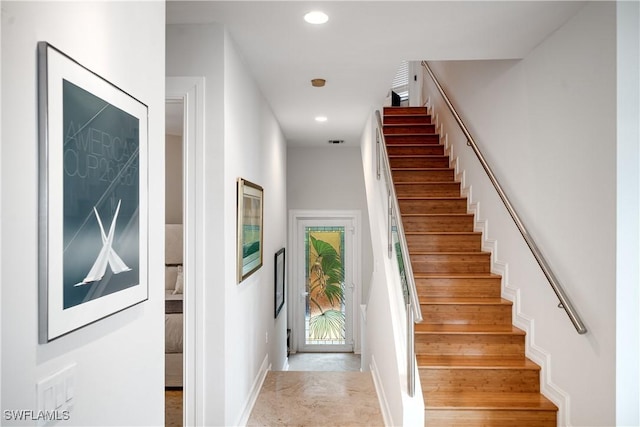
column 471, row 358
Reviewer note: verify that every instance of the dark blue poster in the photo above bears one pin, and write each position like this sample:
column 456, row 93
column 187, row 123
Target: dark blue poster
column 101, row 186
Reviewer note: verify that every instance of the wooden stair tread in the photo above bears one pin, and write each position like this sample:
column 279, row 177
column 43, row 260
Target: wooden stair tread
column 428, row 183
column 393, row 125
column 412, row 145
column 473, row 362
column 449, row 253
column 488, row 400
column 420, row 169
column 416, row 156
column 399, row 110
column 431, row 198
column 465, row 301
column 437, row 214
column 446, row 233
column 456, row 275
column 408, row 115
column 404, row 183
column 449, row 328
column 391, row 135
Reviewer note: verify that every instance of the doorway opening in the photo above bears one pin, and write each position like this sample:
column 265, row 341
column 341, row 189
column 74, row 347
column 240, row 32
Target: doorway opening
column 189, row 91
column 174, row 263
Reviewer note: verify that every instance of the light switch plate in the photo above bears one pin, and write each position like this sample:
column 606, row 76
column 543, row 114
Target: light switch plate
column 55, row 395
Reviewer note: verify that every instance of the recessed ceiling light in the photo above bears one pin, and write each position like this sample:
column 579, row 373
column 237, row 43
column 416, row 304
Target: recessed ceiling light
column 316, row 17
column 321, row 119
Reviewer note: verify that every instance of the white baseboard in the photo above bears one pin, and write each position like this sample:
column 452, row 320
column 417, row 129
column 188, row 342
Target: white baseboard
column 255, row 391
column 377, row 383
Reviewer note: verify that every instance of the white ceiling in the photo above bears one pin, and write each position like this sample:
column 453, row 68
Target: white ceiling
column 360, row 48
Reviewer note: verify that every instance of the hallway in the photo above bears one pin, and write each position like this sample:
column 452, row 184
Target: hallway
column 311, row 395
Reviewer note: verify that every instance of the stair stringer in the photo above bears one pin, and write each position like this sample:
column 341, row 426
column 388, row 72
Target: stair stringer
column 510, row 292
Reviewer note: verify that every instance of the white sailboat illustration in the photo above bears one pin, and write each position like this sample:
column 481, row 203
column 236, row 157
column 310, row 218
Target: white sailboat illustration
column 107, row 255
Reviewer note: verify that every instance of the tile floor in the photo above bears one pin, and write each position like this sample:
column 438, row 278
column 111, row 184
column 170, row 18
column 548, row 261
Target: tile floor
column 312, row 398
column 311, row 393
column 324, row 362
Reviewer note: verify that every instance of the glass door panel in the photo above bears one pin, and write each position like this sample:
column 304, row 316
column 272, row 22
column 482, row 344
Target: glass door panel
column 325, row 290
column 325, row 283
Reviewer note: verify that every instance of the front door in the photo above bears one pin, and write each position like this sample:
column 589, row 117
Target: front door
column 324, row 278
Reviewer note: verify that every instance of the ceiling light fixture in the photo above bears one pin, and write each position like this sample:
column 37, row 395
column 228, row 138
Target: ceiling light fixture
column 316, row 17
column 318, row 82
column 321, row 119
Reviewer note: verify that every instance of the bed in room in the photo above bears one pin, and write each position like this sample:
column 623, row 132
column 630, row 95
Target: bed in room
column 174, row 317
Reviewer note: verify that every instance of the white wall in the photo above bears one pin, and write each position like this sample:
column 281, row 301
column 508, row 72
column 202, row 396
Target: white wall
column 255, row 149
column 1, row 215
column 119, row 375
column 242, row 139
column 173, row 179
column 331, row 178
column 628, row 216
column 547, row 125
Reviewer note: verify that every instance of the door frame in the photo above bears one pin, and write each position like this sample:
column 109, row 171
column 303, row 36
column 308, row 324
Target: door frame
column 295, row 217
column 190, row 90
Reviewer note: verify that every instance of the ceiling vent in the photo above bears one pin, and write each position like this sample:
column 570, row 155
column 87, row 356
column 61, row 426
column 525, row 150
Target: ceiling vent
column 336, row 141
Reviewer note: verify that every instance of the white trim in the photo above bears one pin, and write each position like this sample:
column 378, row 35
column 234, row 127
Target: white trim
column 297, row 215
column 415, row 84
column 627, row 312
column 1, row 200
column 255, row 392
column 191, row 91
column 382, row 399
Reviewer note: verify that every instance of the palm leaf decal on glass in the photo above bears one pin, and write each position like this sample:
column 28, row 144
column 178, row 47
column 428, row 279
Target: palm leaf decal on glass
column 326, row 292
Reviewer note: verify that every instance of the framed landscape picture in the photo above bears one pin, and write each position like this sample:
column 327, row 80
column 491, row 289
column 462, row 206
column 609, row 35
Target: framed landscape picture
column 93, row 196
column 249, row 221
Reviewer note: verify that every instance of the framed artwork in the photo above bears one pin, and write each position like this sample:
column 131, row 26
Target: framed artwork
column 279, row 281
column 249, row 221
column 92, row 196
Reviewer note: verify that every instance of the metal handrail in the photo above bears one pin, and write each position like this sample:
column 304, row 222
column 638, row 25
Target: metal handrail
column 565, row 303
column 414, row 312
column 413, row 294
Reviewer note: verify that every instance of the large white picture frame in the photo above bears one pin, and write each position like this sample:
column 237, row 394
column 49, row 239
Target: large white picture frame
column 93, row 231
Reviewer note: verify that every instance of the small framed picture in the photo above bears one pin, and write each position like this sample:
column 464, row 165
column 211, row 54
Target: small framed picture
column 249, row 220
column 279, row 282
column 92, row 196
